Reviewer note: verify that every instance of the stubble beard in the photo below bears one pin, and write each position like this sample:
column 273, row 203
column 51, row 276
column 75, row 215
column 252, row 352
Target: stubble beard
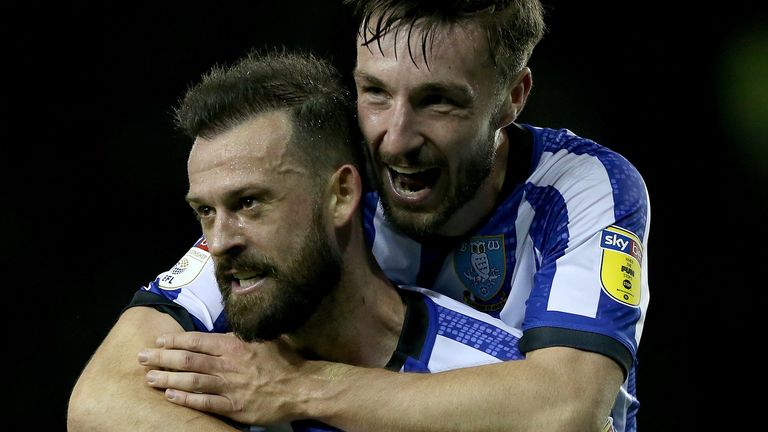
column 471, row 175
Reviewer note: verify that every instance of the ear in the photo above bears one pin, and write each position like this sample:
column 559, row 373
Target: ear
column 515, row 97
column 346, row 191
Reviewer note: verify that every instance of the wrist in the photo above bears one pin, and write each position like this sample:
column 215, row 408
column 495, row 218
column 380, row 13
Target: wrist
column 326, row 386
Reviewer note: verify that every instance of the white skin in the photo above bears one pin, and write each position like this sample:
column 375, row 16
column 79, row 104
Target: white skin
column 250, row 195
column 553, row 389
column 405, row 109
column 418, row 116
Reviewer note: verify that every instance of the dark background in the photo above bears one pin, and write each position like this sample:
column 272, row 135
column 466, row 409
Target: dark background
column 94, row 174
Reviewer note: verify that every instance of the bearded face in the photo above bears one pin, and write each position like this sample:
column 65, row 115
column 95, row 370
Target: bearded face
column 469, row 176
column 297, row 284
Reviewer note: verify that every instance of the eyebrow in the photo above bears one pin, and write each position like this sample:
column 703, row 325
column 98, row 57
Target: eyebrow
column 191, row 199
column 368, row 77
column 430, row 87
column 457, row 90
column 250, row 190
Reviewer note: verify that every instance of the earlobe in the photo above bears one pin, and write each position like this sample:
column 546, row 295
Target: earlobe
column 346, row 193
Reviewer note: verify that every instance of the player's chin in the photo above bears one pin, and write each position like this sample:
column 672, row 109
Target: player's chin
column 413, row 221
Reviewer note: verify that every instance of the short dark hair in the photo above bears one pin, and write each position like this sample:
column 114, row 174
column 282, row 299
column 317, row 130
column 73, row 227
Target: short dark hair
column 305, row 86
column 512, row 27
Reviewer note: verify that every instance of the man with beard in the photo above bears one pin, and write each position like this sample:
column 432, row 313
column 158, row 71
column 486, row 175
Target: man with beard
column 274, row 181
column 539, row 227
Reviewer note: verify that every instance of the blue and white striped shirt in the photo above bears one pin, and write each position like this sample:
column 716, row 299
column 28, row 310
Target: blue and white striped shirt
column 561, row 261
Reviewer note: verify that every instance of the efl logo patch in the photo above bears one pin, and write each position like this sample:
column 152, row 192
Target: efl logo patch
column 620, row 265
column 481, row 265
column 187, row 269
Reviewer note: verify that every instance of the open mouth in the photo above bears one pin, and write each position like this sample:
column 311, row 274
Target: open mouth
column 412, row 183
column 243, row 283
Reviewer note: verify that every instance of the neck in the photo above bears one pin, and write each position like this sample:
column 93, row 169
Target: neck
column 359, row 323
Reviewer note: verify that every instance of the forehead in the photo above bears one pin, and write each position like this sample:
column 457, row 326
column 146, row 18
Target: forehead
column 257, row 147
column 448, row 52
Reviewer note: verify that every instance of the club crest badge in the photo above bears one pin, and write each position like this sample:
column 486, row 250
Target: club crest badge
column 480, row 263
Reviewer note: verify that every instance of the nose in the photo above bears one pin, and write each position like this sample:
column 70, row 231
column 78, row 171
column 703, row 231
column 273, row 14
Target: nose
column 224, row 234
column 401, row 131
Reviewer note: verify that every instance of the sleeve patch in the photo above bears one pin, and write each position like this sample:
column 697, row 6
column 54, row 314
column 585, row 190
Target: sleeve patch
column 187, row 269
column 622, row 254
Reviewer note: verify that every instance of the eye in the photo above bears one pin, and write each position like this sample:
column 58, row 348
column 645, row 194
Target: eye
column 437, row 99
column 249, row 203
column 371, row 89
column 372, row 92
column 201, row 212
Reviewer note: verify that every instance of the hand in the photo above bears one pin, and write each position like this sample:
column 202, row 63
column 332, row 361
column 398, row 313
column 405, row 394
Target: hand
column 252, row 383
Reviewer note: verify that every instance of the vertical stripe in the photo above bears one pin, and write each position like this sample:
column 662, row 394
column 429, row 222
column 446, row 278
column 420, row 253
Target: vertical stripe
column 396, row 253
column 585, row 199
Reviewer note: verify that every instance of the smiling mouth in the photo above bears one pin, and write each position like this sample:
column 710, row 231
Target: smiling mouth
column 413, row 183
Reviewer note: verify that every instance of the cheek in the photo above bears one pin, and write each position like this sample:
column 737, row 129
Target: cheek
column 455, row 142
column 459, row 148
column 295, row 218
column 370, row 123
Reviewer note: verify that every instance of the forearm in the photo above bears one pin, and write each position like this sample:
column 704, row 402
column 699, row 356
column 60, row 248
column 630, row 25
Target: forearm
column 111, row 393
column 513, row 396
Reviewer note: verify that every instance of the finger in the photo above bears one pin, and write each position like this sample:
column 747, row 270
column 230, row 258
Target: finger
column 178, row 360
column 206, row 343
column 201, row 402
column 186, row 381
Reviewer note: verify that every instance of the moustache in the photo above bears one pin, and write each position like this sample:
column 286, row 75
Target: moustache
column 420, row 157
column 225, row 267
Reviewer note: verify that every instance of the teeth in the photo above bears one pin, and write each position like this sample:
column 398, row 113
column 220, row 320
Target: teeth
column 405, row 192
column 405, row 170
column 249, row 282
column 246, row 279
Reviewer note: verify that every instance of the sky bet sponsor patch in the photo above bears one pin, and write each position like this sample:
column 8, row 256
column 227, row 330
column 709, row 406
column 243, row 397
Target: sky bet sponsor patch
column 187, row 269
column 620, row 265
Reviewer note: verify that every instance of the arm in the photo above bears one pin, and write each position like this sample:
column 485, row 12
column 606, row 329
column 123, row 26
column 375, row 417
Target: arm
column 110, row 393
column 554, row 389
column 558, row 389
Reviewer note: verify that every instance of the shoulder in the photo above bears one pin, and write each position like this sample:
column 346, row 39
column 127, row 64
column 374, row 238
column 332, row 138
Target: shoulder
column 562, row 153
column 580, row 167
column 191, row 284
